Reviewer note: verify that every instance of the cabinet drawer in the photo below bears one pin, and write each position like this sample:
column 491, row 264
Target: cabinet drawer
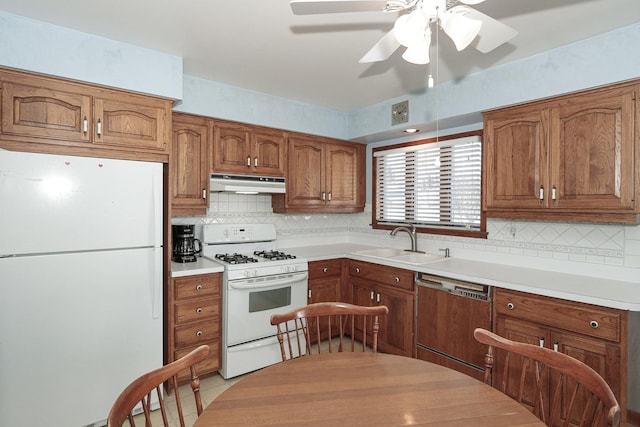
column 195, row 310
column 197, row 333
column 319, row 269
column 567, row 315
column 391, row 276
column 205, row 285
column 210, row 364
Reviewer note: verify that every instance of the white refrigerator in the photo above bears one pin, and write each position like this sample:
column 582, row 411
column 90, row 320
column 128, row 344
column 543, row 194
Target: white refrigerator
column 80, row 284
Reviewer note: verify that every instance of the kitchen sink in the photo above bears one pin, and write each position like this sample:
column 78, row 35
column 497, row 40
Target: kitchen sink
column 382, row 252
column 400, row 255
column 417, row 258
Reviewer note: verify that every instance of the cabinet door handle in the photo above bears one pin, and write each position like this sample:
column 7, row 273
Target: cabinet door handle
column 255, row 162
column 372, row 296
column 85, row 125
column 309, row 294
column 248, row 161
column 324, row 270
column 378, row 297
column 594, row 324
column 511, row 306
column 553, row 193
column 324, row 196
column 541, row 341
column 329, row 195
column 555, row 346
column 99, row 128
column 204, row 193
column 397, row 279
column 199, row 310
column 199, row 333
column 199, row 288
column 541, row 195
column 357, row 270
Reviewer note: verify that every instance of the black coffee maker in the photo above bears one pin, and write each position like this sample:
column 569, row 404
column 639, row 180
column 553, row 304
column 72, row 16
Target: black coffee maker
column 185, row 245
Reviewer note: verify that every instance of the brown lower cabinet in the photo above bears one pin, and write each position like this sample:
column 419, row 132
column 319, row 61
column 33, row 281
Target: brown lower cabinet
column 194, row 318
column 373, row 284
column 595, row 335
column 325, row 280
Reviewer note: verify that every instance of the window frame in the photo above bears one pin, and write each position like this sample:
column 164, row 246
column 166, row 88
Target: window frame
column 421, row 228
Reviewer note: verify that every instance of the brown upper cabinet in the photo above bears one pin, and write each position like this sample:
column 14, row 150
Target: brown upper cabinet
column 567, row 158
column 248, row 150
column 323, row 175
column 190, row 164
column 43, row 110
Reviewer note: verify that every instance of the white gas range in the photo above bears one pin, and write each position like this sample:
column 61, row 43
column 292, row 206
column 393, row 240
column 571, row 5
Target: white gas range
column 258, row 281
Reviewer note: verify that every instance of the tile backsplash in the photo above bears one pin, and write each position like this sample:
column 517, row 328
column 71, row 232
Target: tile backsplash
column 605, row 244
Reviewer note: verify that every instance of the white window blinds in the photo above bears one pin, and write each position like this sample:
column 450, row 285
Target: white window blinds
column 433, row 184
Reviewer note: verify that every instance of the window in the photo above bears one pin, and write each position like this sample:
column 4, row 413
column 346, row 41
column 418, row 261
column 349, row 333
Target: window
column 434, row 184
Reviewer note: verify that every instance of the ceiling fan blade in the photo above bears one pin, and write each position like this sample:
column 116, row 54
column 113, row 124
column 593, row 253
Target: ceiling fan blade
column 493, row 33
column 381, row 50
column 312, row 7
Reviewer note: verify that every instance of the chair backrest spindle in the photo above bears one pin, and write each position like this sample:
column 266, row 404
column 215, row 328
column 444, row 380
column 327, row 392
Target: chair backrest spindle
column 320, row 323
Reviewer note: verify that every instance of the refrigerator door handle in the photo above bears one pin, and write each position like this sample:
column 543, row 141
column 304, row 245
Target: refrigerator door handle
column 156, row 284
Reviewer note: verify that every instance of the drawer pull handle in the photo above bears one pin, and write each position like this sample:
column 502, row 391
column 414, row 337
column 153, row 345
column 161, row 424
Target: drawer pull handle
column 594, row 324
column 397, row 279
column 199, row 310
column 511, row 306
column 199, row 288
column 357, row 270
column 324, row 270
column 555, row 346
column 199, row 333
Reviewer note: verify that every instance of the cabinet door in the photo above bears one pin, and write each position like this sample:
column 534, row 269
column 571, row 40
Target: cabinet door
column 530, row 333
column 189, row 164
column 305, row 178
column 268, row 151
column 133, row 122
column 396, row 328
column 603, row 357
column 231, row 149
column 515, row 158
column 342, row 174
column 44, row 110
column 592, row 155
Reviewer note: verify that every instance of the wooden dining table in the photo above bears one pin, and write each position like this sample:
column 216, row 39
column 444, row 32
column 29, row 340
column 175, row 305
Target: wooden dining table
column 362, row 389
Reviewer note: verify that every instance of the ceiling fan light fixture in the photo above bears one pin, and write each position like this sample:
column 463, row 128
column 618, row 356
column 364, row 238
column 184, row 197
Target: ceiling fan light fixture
column 418, row 53
column 410, row 29
column 459, row 28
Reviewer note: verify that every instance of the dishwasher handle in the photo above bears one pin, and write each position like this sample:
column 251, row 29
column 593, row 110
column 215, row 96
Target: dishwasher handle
column 464, row 289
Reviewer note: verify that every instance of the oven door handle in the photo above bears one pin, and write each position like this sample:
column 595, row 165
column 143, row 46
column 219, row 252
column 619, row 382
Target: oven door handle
column 241, row 284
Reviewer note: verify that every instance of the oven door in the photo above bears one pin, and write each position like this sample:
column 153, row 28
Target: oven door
column 251, row 302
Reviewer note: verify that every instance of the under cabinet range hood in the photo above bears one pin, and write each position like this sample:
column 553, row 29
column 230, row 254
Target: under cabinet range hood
column 246, row 184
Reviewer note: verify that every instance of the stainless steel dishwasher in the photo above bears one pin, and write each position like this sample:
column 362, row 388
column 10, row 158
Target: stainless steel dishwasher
column 448, row 311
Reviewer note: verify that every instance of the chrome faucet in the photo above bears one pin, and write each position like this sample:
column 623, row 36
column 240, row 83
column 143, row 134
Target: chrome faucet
column 412, row 234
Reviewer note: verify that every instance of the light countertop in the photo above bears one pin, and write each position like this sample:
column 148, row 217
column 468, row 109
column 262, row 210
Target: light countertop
column 618, row 294
column 201, row 266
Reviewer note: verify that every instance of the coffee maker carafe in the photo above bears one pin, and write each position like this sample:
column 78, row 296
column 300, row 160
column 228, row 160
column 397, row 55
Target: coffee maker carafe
column 185, row 245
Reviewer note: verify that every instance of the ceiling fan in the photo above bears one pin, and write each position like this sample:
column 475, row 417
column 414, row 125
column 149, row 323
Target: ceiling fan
column 463, row 24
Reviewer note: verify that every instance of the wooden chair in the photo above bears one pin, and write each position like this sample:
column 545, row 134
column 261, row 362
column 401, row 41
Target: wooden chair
column 142, row 389
column 560, row 389
column 321, row 322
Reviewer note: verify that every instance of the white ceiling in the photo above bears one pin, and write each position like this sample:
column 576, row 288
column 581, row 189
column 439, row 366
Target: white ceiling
column 260, row 45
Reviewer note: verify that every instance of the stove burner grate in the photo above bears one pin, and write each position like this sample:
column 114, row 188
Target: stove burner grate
column 235, row 258
column 274, row 255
